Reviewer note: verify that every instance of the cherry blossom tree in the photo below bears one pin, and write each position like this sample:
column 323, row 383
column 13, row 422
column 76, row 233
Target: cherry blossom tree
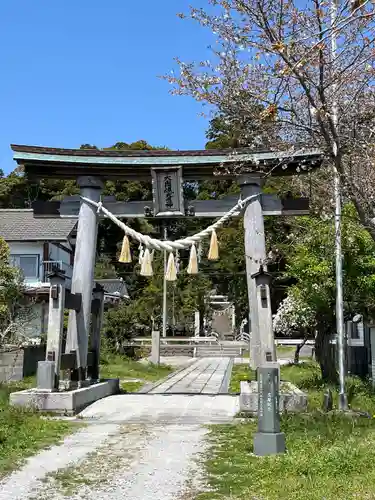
column 294, row 315
column 272, row 66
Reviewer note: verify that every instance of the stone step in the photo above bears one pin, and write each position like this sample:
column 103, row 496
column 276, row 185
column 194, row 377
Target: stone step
column 217, row 351
column 236, row 351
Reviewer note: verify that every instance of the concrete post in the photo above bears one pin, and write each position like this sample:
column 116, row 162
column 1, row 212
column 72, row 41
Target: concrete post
column 83, row 272
column 96, row 325
column 55, row 325
column 255, row 255
column 196, row 323
column 233, row 309
column 155, row 348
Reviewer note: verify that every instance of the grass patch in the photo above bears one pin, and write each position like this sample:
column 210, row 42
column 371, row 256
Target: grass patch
column 281, row 349
column 116, row 366
column 131, row 386
column 284, row 349
column 23, row 432
column 330, row 456
column 239, row 373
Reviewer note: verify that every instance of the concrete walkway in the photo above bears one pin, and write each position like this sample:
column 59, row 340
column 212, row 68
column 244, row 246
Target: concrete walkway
column 162, row 409
column 205, row 376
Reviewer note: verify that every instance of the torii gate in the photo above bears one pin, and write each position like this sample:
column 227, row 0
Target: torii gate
column 167, row 169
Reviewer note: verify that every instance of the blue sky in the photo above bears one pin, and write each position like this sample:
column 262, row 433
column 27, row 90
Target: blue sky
column 86, row 71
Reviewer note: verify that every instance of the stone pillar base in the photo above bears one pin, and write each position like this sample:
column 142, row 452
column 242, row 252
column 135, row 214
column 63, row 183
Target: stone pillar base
column 64, row 403
column 46, row 375
column 269, row 443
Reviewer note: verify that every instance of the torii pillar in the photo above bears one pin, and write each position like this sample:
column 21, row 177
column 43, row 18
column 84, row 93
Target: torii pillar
column 83, row 272
column 261, row 338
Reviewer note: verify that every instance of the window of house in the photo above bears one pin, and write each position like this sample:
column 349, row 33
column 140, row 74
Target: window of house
column 29, row 264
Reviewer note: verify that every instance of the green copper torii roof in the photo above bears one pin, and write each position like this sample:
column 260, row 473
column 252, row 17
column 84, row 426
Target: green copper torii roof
column 42, row 162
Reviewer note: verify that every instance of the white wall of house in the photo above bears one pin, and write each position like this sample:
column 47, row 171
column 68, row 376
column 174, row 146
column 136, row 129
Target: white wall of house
column 29, row 248
column 56, row 254
column 37, row 317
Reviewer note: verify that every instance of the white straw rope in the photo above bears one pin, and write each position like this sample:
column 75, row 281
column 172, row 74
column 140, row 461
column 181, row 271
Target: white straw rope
column 170, row 246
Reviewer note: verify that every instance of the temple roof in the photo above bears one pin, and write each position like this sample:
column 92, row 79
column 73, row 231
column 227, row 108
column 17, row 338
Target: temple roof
column 43, row 162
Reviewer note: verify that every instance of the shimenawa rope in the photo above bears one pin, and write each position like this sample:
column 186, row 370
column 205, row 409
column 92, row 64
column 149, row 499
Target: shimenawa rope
column 171, row 246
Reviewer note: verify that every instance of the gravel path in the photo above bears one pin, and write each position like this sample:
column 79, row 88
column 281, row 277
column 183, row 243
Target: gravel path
column 136, row 447
column 136, row 464
column 21, row 484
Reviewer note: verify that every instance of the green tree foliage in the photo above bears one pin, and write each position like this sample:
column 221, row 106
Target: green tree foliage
column 10, row 292
column 104, row 268
column 310, row 263
column 184, row 296
column 226, row 131
column 17, row 191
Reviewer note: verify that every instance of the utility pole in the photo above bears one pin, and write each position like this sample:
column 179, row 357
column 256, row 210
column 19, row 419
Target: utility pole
column 343, row 403
column 164, row 333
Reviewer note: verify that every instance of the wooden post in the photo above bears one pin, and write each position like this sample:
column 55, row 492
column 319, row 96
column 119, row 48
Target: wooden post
column 96, row 325
column 83, row 273
column 255, row 254
column 56, row 322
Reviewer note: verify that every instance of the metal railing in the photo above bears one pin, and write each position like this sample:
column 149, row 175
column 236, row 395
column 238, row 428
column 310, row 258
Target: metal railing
column 174, row 340
column 295, row 342
column 243, row 336
column 48, row 266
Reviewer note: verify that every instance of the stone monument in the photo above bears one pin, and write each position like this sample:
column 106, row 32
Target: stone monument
column 268, row 440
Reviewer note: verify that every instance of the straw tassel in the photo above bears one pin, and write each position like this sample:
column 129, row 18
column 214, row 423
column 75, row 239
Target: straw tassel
column 213, row 253
column 193, row 261
column 125, row 255
column 171, row 271
column 146, row 267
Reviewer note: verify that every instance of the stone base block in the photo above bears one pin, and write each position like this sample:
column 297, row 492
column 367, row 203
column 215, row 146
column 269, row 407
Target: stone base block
column 269, row 443
column 46, row 375
column 291, row 399
column 67, row 402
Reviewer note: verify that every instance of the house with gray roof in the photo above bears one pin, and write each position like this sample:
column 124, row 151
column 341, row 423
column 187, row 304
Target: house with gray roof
column 39, row 244
column 114, row 290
